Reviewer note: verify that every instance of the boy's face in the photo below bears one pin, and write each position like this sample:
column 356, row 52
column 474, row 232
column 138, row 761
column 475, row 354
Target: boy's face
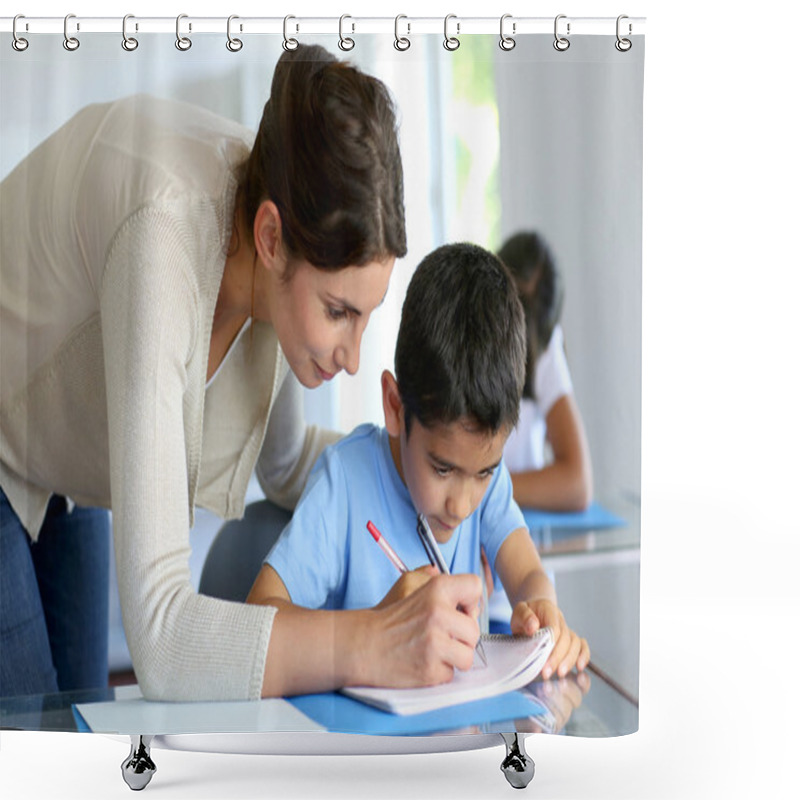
column 447, row 468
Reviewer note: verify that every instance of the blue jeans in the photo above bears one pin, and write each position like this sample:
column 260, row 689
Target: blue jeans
column 54, row 600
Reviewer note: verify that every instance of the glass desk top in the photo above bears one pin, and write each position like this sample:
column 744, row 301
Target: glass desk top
column 608, row 533
column 578, row 705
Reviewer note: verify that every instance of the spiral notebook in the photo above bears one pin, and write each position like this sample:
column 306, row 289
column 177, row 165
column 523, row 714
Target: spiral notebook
column 512, row 662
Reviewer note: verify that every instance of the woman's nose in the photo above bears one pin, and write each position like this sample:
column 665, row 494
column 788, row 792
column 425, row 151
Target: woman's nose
column 348, row 353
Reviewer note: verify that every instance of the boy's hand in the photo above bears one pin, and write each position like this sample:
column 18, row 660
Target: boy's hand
column 407, row 584
column 570, row 649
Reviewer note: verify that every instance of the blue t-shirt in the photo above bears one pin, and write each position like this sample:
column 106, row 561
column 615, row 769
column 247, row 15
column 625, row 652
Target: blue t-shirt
column 327, row 558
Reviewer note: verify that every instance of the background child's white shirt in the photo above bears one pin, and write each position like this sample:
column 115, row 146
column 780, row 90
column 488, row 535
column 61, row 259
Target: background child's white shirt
column 525, row 446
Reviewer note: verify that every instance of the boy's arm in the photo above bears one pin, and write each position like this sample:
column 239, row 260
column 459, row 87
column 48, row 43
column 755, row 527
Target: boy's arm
column 267, row 587
column 533, row 600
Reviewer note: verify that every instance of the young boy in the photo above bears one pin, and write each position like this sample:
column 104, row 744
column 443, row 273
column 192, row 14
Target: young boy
column 460, row 364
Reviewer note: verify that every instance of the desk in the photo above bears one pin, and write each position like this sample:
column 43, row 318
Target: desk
column 576, row 707
column 575, row 544
column 594, row 564
column 603, row 711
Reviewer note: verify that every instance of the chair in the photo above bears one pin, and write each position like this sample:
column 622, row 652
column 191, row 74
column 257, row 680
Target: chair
column 238, row 551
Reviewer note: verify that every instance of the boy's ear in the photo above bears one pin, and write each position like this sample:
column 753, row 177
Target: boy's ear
column 267, row 235
column 392, row 404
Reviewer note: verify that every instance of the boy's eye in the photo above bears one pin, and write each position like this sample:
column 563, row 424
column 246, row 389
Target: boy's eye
column 442, row 472
column 487, row 473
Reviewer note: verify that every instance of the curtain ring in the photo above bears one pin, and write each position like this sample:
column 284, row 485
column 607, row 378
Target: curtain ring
column 401, row 43
column 288, row 43
column 182, row 42
column 507, row 42
column 234, row 45
column 129, row 43
column 451, row 42
column 561, row 43
column 18, row 43
column 345, row 42
column 70, row 42
column 623, row 45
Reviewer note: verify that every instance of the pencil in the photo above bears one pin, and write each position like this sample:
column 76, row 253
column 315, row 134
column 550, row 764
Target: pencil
column 386, row 547
column 435, row 557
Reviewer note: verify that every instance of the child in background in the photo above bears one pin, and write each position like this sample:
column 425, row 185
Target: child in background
column 548, row 409
column 460, row 364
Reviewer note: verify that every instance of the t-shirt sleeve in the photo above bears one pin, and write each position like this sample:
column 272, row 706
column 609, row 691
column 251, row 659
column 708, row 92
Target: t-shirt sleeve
column 500, row 515
column 552, row 378
column 310, row 554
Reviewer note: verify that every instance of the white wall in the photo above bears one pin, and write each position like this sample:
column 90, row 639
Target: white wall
column 571, row 169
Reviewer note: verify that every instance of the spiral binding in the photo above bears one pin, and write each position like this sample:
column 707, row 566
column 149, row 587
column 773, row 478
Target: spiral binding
column 562, row 29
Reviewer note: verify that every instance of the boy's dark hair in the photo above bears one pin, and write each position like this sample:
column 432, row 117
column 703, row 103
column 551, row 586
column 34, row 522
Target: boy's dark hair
column 461, row 346
column 541, row 290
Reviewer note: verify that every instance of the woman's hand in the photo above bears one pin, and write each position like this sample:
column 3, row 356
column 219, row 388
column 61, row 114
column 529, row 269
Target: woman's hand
column 407, row 584
column 421, row 639
column 570, row 649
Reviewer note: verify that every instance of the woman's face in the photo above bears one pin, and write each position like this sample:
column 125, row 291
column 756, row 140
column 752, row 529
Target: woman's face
column 320, row 316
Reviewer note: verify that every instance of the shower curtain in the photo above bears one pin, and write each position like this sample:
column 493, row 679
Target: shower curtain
column 519, row 130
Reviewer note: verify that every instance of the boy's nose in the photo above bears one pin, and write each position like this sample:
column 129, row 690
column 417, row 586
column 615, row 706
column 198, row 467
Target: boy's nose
column 458, row 505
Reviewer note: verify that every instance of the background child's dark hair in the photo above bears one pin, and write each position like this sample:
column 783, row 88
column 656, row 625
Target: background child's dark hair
column 327, row 155
column 541, row 290
column 460, row 350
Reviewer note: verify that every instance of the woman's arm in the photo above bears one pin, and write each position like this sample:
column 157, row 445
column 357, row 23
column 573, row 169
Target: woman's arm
column 416, row 641
column 184, row 646
column 566, row 484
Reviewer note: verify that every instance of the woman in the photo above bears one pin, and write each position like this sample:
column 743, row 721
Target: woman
column 139, row 243
column 548, row 410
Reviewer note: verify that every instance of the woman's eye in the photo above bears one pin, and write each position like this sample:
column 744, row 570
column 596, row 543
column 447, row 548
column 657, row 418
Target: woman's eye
column 336, row 313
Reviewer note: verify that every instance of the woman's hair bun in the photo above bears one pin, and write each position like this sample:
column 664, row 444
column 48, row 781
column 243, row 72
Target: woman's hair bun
column 327, row 155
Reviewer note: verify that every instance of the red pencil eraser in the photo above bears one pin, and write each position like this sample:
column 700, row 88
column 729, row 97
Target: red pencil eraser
column 376, row 534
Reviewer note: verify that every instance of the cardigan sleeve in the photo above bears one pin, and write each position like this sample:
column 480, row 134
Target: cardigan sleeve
column 184, row 646
column 291, row 447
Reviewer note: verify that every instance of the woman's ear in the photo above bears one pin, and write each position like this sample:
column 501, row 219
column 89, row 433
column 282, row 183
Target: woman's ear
column 393, row 411
column 267, row 235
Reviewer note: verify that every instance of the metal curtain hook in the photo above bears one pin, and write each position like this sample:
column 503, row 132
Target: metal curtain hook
column 401, row 42
column 234, row 45
column 561, row 43
column 623, row 45
column 18, row 43
column 345, row 42
column 182, row 42
column 288, row 43
column 450, row 42
column 129, row 43
column 70, row 42
column 507, row 42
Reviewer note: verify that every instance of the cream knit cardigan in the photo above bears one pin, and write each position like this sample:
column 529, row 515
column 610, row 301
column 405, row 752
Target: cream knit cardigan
column 114, row 238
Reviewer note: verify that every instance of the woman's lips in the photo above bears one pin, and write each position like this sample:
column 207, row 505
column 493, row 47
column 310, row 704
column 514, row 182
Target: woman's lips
column 326, row 376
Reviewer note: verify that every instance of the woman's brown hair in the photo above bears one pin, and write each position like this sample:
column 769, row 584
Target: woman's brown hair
column 327, row 155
